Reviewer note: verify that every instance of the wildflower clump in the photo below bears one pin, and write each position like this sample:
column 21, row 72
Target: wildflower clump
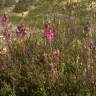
column 5, row 20
column 21, row 30
column 48, row 32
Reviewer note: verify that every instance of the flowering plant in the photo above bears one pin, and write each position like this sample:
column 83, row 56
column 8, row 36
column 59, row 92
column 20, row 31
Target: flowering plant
column 21, row 30
column 5, row 20
column 49, row 34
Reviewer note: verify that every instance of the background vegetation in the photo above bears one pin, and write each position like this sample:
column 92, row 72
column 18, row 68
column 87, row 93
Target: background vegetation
column 27, row 65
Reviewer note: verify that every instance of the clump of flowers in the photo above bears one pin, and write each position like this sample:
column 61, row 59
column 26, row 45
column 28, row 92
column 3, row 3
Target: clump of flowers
column 5, row 20
column 49, row 34
column 21, row 30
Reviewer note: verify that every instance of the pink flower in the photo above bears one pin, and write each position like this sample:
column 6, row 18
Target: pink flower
column 49, row 35
column 5, row 20
column 56, row 54
column 48, row 32
column 21, row 30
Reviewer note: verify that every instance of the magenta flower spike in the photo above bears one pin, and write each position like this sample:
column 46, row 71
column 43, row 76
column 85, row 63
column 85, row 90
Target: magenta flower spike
column 21, row 30
column 49, row 34
column 5, row 20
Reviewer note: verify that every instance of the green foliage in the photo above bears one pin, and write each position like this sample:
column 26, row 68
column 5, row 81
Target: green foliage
column 7, row 90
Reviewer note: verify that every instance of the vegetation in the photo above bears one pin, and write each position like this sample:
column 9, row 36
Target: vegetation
column 50, row 51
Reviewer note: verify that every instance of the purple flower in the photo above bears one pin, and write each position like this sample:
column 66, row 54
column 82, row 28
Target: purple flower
column 5, row 20
column 21, row 30
column 49, row 35
column 48, row 32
